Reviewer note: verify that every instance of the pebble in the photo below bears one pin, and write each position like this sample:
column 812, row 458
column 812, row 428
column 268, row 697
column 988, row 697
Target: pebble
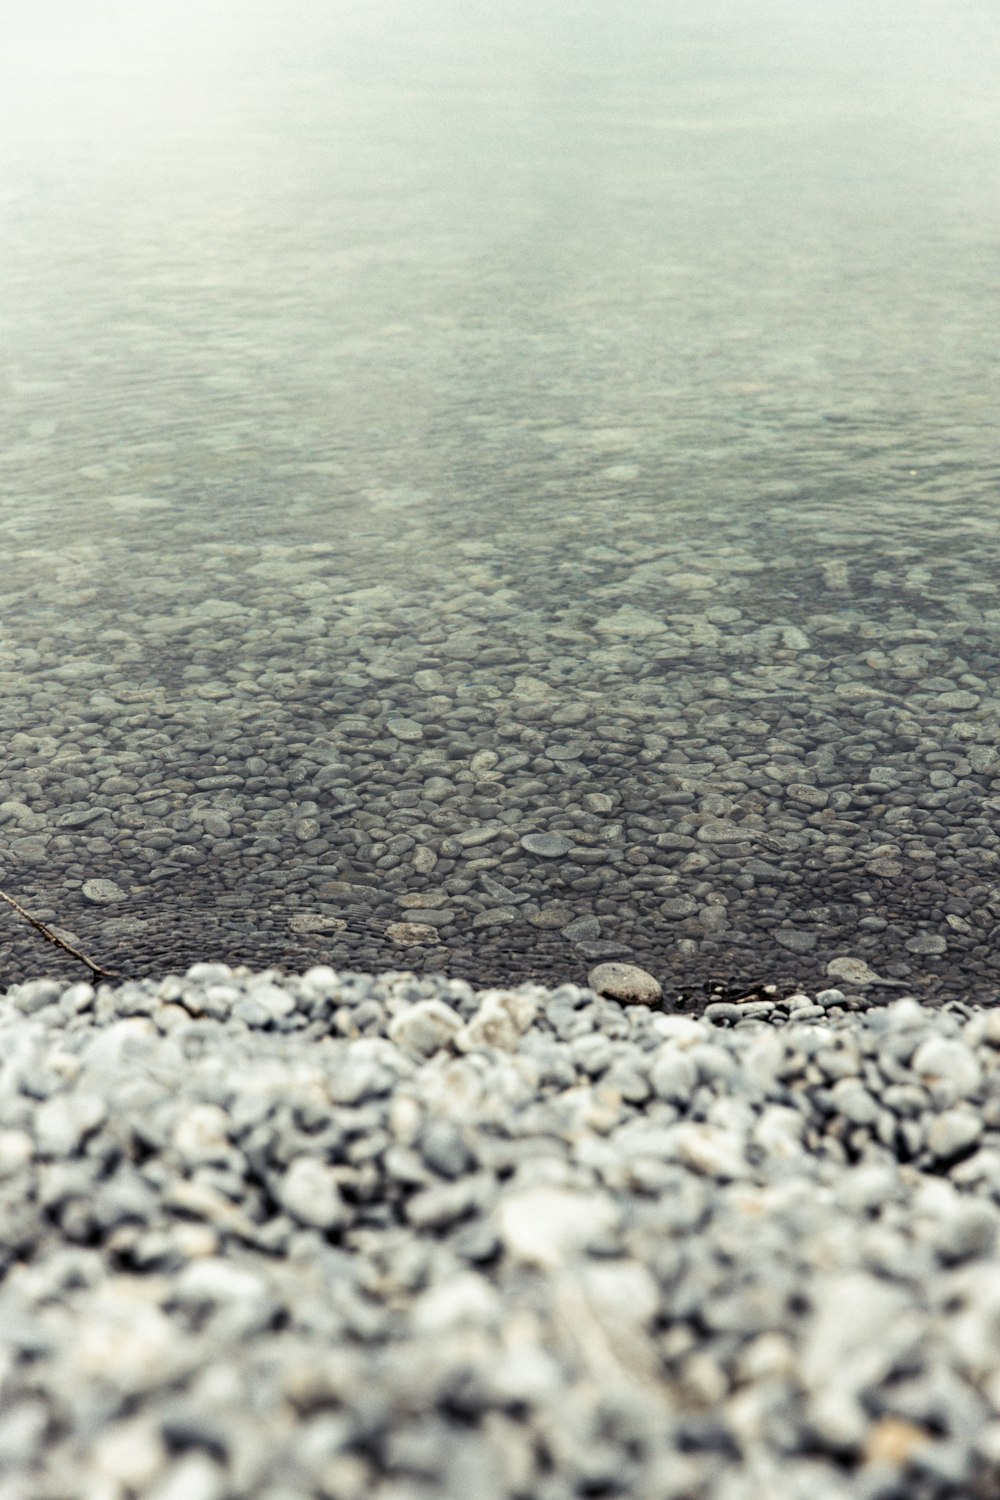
column 425, row 1027
column 545, row 1199
column 547, row 845
column 953, row 1132
column 308, row 1191
column 945, row 1060
column 625, row 982
column 103, row 892
column 408, row 730
column 543, row 1226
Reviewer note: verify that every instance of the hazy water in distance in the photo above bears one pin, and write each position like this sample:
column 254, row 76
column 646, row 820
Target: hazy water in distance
column 430, row 426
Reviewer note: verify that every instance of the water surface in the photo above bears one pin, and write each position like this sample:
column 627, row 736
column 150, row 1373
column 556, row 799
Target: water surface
column 609, row 395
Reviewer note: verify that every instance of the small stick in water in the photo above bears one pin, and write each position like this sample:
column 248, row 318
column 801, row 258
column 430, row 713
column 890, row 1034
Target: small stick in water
column 47, row 933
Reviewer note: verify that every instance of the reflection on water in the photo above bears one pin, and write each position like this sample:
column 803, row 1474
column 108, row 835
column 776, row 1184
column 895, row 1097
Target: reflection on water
column 491, row 494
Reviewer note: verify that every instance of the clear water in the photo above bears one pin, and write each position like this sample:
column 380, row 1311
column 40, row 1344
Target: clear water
column 633, row 370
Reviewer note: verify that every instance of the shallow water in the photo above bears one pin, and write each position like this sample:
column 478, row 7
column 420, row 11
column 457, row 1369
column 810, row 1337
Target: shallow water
column 426, row 428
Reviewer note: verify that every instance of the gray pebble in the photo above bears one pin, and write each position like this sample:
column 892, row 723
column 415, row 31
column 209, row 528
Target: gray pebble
column 408, row 730
column 103, row 892
column 625, row 982
column 547, row 845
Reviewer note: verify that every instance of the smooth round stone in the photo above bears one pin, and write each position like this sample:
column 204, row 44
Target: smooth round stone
column 425, row 1027
column 812, row 796
column 547, row 845
column 927, row 943
column 103, row 892
column 953, row 1130
column 852, row 971
column 796, row 941
column 958, row 699
column 625, row 982
column 405, row 729
column 694, row 581
column 678, row 906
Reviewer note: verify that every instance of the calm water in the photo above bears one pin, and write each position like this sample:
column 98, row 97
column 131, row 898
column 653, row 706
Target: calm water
column 429, row 426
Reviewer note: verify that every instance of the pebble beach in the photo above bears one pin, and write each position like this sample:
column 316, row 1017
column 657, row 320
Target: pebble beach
column 499, row 718
column 341, row 1235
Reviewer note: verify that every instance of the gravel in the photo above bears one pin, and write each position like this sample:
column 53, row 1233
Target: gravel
column 266, row 1237
column 247, row 781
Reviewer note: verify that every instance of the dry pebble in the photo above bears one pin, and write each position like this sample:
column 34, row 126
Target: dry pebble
column 505, row 1242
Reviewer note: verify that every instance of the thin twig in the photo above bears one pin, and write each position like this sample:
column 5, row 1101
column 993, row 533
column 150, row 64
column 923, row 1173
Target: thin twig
column 47, row 933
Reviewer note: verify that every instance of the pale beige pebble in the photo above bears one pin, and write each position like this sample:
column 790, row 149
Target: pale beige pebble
column 631, row 622
column 463, row 1298
column 852, row 971
column 63, row 1122
column 483, row 761
column 122, row 1338
column 794, row 639
column 193, row 1241
column 405, row 729
column 130, row 1453
column 625, row 982
column 621, row 1289
column 693, row 581
column 709, row 1150
column 103, row 892
column 425, row 1027
column 410, row 933
column 310, row 1193
column 501, row 1020
column 526, row 686
column 215, row 1278
column 202, row 1135
column 195, row 1476
column 894, row 1441
column 16, row 1150
column 172, row 1017
column 316, row 921
column 543, row 1226
column 199, row 1200
column 684, row 1031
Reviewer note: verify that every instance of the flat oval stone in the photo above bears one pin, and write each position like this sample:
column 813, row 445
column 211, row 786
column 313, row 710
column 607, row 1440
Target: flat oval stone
column 855, row 971
column 722, row 832
column 405, row 729
column 411, row 932
column 547, row 845
column 103, row 892
column 625, row 982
